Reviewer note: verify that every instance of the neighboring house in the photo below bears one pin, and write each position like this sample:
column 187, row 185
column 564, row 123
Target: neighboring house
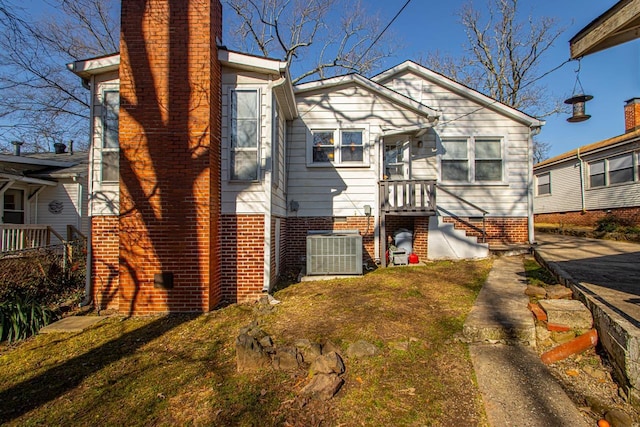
column 218, row 194
column 42, row 190
column 583, row 185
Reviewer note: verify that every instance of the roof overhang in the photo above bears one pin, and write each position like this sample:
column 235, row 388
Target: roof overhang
column 619, row 24
column 89, row 67
column 27, row 180
column 24, row 160
column 373, row 86
column 474, row 95
column 281, row 86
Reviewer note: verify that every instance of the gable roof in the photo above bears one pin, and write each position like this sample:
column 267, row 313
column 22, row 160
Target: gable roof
column 357, row 79
column 462, row 90
column 591, row 148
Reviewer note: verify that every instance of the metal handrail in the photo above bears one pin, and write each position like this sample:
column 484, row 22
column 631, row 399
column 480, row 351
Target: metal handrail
column 484, row 212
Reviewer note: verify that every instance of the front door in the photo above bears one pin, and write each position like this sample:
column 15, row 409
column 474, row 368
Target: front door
column 397, row 157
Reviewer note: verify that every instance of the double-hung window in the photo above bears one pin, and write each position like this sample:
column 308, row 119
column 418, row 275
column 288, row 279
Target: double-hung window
column 110, row 171
column 543, row 184
column 473, row 159
column 338, row 147
column 596, row 174
column 244, row 135
column 621, row 169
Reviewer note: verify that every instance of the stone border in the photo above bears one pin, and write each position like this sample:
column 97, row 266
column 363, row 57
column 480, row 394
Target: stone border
column 618, row 337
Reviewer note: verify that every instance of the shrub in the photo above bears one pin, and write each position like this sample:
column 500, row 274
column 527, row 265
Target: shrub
column 611, row 223
column 22, row 317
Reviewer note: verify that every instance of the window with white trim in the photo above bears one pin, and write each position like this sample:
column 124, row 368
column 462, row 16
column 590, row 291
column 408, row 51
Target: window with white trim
column 338, row 147
column 472, row 159
column 543, row 184
column 13, row 209
column 621, row 169
column 612, row 171
column 110, row 164
column 244, row 135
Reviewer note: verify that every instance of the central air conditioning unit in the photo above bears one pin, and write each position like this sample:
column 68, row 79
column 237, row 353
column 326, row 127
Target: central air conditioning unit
column 330, row 252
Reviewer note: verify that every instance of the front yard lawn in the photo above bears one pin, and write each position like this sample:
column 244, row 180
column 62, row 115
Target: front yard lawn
column 177, row 370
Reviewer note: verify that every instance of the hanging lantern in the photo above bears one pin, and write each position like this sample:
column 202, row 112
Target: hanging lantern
column 578, row 100
column 578, row 107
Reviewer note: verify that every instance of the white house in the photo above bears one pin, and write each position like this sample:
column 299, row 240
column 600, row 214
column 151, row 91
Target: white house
column 407, row 150
column 583, row 185
column 43, row 196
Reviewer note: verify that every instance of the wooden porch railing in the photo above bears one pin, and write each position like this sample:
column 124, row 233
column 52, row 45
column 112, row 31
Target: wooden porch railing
column 17, row 237
column 408, row 197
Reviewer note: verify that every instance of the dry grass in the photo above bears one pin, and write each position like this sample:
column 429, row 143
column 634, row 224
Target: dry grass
column 181, row 369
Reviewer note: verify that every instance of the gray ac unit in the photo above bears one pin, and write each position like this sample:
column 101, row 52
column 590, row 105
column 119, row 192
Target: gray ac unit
column 334, row 253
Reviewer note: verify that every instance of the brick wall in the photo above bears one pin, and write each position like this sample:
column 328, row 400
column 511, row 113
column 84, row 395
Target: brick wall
column 242, row 257
column 500, row 231
column 169, row 155
column 589, row 218
column 297, row 228
column 418, row 225
column 104, row 262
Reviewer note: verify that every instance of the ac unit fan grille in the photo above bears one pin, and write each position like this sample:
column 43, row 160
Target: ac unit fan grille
column 334, row 254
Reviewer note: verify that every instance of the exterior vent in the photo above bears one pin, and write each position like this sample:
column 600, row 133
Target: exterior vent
column 334, row 253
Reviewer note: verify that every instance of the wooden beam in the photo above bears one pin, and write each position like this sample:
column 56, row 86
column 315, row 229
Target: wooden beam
column 619, row 24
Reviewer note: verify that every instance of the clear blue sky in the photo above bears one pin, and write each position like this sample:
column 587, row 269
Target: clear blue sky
column 611, row 76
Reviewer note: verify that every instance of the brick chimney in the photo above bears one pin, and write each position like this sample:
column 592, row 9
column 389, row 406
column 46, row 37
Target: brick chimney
column 632, row 115
column 169, row 156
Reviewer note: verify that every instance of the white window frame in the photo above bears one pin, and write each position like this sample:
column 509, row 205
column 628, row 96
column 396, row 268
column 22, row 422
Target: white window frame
column 547, row 184
column 608, row 168
column 471, row 159
column 337, row 132
column 106, row 149
column 257, row 148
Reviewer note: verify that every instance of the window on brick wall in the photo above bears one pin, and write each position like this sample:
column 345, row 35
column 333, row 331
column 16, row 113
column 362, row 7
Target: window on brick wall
column 244, row 134
column 110, row 150
column 543, row 184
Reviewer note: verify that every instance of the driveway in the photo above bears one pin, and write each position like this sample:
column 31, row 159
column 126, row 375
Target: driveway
column 609, row 270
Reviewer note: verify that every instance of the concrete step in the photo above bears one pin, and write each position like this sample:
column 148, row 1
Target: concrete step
column 500, row 313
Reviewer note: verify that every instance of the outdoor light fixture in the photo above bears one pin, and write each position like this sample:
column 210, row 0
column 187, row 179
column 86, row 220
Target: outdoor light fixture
column 578, row 100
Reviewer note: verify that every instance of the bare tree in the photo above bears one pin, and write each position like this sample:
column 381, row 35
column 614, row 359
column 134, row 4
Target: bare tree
column 42, row 102
column 540, row 150
column 295, row 29
column 503, row 55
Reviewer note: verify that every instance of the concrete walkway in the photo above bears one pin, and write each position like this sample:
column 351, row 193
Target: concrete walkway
column 71, row 324
column 605, row 276
column 516, row 387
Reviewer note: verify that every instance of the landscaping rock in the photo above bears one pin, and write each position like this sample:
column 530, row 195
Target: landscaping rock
column 310, row 351
column 572, row 313
column 559, row 292
column 536, row 291
column 329, row 346
column 287, row 359
column 618, row 418
column 323, row 386
column 399, row 345
column 250, row 355
column 542, row 334
column 362, row 349
column 330, row 363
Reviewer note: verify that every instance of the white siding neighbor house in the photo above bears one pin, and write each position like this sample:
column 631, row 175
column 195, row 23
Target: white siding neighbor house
column 43, row 198
column 347, row 159
column 583, row 185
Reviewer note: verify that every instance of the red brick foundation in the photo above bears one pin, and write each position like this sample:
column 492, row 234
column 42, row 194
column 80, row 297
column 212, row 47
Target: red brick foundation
column 242, row 257
column 500, row 231
column 297, row 228
column 104, row 262
column 169, row 156
column 589, row 218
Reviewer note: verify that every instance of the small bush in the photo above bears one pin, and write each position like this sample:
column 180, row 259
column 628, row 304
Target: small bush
column 611, row 223
column 22, row 317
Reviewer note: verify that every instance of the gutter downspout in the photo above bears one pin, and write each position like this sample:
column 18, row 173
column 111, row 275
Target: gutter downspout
column 266, row 287
column 530, row 221
column 581, row 163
